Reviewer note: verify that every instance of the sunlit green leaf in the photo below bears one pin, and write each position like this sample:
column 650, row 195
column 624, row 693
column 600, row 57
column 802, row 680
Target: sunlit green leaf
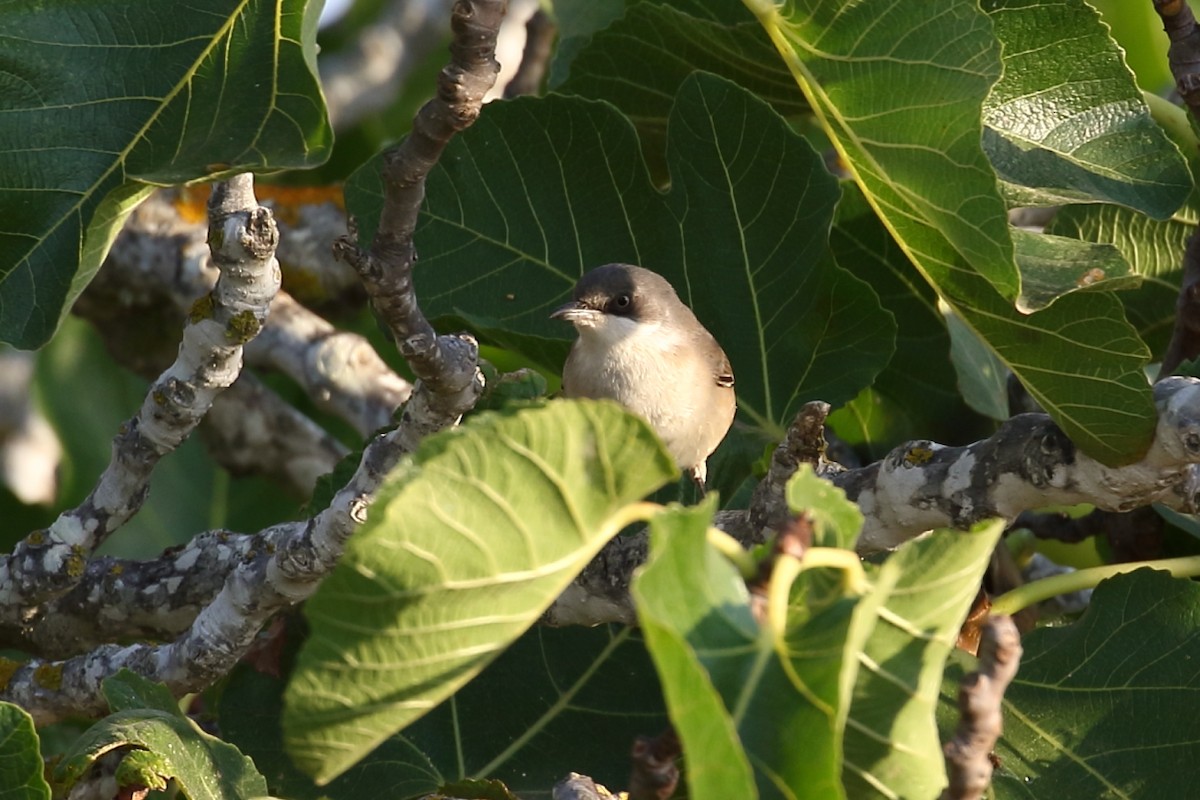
column 468, row 543
column 21, row 762
column 147, row 718
column 889, row 81
column 1066, row 123
column 903, row 631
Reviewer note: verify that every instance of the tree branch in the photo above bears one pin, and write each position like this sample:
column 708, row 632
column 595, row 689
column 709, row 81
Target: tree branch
column 447, row 364
column 1185, row 336
column 1028, row 463
column 1184, row 52
column 48, row 563
column 540, row 32
column 968, row 754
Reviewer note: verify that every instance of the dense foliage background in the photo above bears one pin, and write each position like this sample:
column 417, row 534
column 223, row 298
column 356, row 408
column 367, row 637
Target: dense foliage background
column 829, row 186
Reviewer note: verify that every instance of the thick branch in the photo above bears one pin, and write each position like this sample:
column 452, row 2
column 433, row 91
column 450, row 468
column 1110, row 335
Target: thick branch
column 159, row 266
column 1028, row 463
column 243, row 236
column 968, row 755
column 285, row 569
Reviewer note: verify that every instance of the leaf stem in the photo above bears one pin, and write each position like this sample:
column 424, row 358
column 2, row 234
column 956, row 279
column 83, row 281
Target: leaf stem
column 1023, row 596
column 853, row 576
column 634, row 512
column 732, row 549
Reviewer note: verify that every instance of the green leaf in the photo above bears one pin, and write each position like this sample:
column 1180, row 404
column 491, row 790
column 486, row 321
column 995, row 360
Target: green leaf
column 103, row 99
column 1054, row 266
column 539, row 191
column 916, row 394
column 517, row 721
column 889, row 82
column 467, row 544
column 836, row 520
column 1153, row 248
column 982, row 377
column 871, row 77
column 146, row 718
column 903, row 631
column 639, row 62
column 20, row 757
column 1066, row 123
column 727, row 687
column 1106, row 707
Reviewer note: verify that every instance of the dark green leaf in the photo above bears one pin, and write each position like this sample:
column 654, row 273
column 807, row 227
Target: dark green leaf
column 639, row 62
column 916, row 394
column 103, row 99
column 465, row 547
column 903, row 631
column 540, row 191
column 872, row 76
column 518, row 721
column 20, row 757
column 1106, row 707
column 1066, row 123
column 204, row 767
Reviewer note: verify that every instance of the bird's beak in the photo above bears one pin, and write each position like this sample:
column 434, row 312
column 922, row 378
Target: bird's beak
column 575, row 312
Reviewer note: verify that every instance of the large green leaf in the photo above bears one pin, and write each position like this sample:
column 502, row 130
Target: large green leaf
column 20, row 758
column 466, row 546
column 1106, row 707
column 539, row 191
column 903, row 631
column 161, row 744
column 1066, row 123
column 639, row 62
column 1154, row 250
column 728, row 682
column 517, row 722
column 871, row 77
column 103, row 98
column 916, row 394
column 899, row 89
column 841, row 691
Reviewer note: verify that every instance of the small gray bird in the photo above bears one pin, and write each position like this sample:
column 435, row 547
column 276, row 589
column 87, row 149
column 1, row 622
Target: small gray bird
column 641, row 346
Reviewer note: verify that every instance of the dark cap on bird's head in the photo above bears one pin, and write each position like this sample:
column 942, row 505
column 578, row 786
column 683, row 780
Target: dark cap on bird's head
column 623, row 290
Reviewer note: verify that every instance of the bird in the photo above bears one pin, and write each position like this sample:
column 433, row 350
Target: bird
column 641, row 346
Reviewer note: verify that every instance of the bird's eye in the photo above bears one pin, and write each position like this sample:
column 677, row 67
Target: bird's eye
column 621, row 302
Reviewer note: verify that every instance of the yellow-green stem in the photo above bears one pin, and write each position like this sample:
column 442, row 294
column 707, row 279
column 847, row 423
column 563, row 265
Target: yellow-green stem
column 1024, row 596
column 733, row 550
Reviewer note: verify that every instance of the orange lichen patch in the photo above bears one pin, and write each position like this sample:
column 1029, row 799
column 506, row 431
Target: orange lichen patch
column 287, row 201
column 191, row 202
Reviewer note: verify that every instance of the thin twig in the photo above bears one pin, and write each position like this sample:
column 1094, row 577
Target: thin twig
column 969, row 753
column 540, row 32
